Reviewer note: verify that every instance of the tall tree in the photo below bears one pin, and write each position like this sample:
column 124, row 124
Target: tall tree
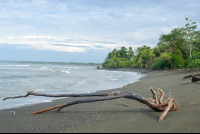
column 123, row 53
column 197, row 40
column 141, row 55
column 190, row 33
column 130, row 53
column 149, row 54
column 172, row 41
column 114, row 54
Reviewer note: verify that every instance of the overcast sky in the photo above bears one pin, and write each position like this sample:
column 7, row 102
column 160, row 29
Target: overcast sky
column 86, row 30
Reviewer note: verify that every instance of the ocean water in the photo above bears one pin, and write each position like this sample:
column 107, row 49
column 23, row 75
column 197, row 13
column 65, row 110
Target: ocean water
column 18, row 78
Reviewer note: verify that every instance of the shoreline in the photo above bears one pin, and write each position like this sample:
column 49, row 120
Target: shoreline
column 110, row 115
column 55, row 98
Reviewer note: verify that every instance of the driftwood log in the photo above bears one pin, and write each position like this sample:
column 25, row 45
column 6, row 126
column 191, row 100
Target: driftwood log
column 194, row 77
column 154, row 103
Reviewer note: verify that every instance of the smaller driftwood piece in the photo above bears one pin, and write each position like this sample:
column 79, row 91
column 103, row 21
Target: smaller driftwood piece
column 154, row 103
column 194, row 77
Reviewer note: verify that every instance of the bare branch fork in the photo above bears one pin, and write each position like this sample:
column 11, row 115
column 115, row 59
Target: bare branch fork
column 154, row 103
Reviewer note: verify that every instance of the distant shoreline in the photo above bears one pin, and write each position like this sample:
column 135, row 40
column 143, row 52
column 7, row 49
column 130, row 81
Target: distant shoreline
column 54, row 62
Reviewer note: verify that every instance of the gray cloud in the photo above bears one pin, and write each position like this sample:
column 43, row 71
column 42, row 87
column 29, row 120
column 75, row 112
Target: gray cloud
column 70, row 45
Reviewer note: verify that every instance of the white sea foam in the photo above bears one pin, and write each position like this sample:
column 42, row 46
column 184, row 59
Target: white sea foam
column 65, row 71
column 81, row 82
column 113, row 79
column 46, row 69
column 14, row 65
column 39, row 90
column 72, row 67
column 30, row 102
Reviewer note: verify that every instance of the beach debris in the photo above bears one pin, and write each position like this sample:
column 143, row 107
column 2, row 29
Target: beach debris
column 166, row 68
column 194, row 77
column 13, row 112
column 124, row 103
column 154, row 103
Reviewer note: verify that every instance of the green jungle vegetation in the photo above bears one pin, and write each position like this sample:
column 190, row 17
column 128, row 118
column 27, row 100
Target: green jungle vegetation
column 178, row 49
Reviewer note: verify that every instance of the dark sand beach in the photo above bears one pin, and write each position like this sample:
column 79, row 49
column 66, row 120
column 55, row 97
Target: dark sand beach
column 111, row 116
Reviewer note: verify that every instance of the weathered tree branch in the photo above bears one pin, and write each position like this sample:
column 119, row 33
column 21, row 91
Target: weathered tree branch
column 166, row 110
column 65, row 95
column 154, row 103
column 188, row 76
column 124, row 103
column 154, row 95
column 161, row 96
column 194, row 77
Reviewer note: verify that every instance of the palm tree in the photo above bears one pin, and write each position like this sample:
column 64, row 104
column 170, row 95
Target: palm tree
column 113, row 54
column 123, row 53
column 149, row 54
column 130, row 53
column 140, row 55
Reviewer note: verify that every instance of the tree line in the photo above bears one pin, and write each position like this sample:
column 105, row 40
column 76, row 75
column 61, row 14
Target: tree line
column 178, row 49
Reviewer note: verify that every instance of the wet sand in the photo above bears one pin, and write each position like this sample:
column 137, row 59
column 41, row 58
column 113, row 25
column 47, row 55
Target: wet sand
column 111, row 116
